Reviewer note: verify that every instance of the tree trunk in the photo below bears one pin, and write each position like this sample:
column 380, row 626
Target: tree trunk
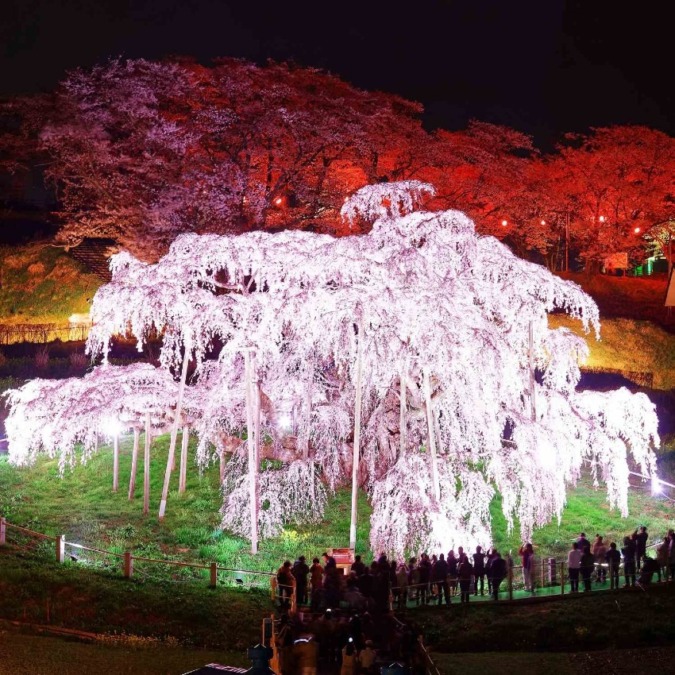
column 146, row 468
column 403, row 419
column 171, row 459
column 432, row 440
column 182, row 480
column 308, row 419
column 530, row 355
column 252, row 454
column 134, row 464
column 116, row 462
column 357, row 439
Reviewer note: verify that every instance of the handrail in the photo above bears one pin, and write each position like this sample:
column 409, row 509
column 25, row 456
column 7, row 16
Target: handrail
column 95, row 550
column 40, row 535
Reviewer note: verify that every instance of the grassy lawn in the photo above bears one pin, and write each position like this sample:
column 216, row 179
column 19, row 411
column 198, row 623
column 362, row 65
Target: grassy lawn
column 41, row 284
column 628, row 345
column 82, row 506
column 30, row 654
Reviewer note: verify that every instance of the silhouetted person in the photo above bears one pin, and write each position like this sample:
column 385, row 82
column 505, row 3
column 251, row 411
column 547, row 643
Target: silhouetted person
column 613, row 558
column 478, row 569
column 300, row 571
column 640, row 538
column 628, row 553
column 441, row 579
column 498, row 573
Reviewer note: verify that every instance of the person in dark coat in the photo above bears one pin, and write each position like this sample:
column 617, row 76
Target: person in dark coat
column 613, row 558
column 464, row 572
column 649, row 568
column 452, row 572
column 640, row 537
column 478, row 569
column 300, row 571
column 366, row 582
column 285, row 582
column 358, row 567
column 583, row 542
column 488, row 564
column 628, row 553
column 425, row 577
column 497, row 573
column 587, row 565
column 441, row 580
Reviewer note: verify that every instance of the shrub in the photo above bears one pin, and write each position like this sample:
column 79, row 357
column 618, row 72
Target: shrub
column 78, row 361
column 42, row 357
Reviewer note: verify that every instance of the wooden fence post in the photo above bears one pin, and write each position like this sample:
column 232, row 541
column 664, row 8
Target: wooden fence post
column 509, row 580
column 3, row 531
column 214, row 575
column 60, row 548
column 128, row 565
column 562, row 578
column 543, row 563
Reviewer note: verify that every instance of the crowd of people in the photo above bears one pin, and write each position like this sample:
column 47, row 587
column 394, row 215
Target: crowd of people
column 359, row 643
column 439, row 578
column 373, row 587
column 362, row 592
column 598, row 561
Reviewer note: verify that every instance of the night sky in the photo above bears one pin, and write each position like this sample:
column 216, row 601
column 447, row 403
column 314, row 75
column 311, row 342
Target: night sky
column 544, row 67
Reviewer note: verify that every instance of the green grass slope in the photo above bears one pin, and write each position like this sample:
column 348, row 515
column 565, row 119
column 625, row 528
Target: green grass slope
column 628, row 345
column 82, row 506
column 41, row 284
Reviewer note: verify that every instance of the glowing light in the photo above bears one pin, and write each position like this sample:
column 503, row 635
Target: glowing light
column 637, row 230
column 602, row 219
column 505, row 223
column 278, row 201
column 542, row 222
column 111, row 427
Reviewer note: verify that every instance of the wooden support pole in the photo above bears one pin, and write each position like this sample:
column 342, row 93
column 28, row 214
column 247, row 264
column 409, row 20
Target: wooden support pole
column 308, row 420
column 403, row 418
column 182, row 481
column 146, row 467
column 213, row 575
column 60, row 541
column 357, row 438
column 3, row 531
column 134, row 464
column 431, row 434
column 252, row 452
column 116, row 462
column 128, row 565
column 257, row 402
column 171, row 459
column 530, row 354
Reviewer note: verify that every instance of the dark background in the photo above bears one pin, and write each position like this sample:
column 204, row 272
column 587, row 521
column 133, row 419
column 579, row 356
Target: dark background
column 544, row 67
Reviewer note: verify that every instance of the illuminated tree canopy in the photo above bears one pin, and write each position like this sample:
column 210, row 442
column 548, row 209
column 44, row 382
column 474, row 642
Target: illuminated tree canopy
column 442, row 334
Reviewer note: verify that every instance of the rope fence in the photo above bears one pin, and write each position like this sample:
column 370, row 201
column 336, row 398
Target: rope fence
column 42, row 333
column 129, row 565
column 548, row 576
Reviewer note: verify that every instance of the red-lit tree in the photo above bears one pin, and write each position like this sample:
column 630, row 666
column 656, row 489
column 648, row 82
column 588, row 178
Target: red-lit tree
column 142, row 151
column 614, row 185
